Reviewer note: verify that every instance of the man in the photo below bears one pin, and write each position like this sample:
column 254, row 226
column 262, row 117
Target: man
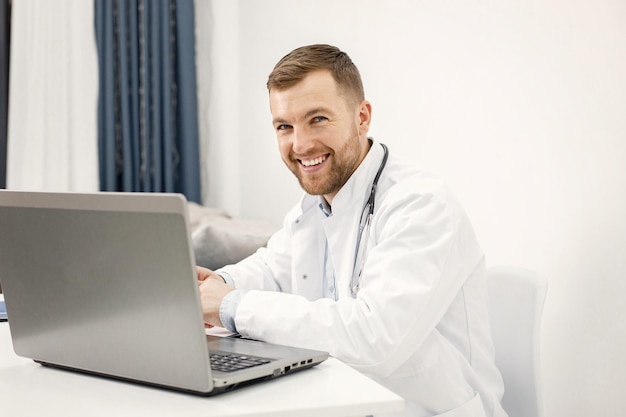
column 399, row 294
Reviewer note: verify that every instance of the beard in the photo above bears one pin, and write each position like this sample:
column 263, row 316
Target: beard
column 342, row 164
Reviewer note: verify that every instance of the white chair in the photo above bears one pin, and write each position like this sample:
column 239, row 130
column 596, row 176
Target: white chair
column 516, row 299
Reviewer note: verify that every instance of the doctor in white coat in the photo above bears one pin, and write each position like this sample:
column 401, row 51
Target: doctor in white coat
column 377, row 264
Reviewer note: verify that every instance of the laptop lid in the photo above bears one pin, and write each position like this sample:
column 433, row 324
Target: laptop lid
column 106, row 283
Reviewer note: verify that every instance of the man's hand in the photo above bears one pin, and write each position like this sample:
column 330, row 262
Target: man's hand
column 212, row 290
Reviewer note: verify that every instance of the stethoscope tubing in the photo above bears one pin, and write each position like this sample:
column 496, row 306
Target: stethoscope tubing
column 364, row 223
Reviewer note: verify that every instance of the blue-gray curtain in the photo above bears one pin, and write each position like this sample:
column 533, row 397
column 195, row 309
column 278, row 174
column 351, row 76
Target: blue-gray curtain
column 147, row 109
column 5, row 41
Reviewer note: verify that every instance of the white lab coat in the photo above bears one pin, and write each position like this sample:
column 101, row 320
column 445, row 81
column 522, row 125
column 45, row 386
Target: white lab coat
column 419, row 324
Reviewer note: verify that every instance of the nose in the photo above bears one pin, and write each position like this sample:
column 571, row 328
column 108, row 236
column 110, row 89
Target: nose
column 302, row 141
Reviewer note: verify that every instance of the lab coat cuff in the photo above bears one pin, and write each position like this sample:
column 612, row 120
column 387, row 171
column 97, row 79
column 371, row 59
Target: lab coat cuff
column 228, row 309
column 227, row 278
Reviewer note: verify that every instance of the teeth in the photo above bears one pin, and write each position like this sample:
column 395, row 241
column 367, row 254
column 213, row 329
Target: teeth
column 311, row 162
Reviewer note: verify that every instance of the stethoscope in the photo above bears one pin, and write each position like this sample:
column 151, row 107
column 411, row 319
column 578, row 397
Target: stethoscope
column 364, row 230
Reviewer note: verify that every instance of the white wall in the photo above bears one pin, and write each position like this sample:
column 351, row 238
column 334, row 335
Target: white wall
column 520, row 105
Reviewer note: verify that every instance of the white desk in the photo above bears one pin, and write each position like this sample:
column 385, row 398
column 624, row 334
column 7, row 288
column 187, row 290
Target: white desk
column 330, row 389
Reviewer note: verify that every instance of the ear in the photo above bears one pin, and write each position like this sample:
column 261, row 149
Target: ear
column 364, row 117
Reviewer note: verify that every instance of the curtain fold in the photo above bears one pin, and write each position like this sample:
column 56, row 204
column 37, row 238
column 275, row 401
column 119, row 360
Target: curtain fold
column 147, row 111
column 52, row 138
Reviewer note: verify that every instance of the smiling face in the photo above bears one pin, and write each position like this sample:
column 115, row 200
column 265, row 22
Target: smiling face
column 322, row 134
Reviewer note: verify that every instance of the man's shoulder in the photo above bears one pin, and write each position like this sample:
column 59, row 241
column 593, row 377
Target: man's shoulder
column 408, row 187
column 411, row 180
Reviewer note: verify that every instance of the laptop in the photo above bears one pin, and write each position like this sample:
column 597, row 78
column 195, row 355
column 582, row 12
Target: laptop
column 105, row 283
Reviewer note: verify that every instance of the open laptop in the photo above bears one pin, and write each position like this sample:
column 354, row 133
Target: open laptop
column 105, row 283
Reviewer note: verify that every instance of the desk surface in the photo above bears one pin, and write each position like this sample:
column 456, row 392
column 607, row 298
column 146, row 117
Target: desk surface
column 330, row 389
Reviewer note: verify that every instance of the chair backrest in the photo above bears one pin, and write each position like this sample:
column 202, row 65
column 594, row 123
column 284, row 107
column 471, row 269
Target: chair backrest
column 516, row 299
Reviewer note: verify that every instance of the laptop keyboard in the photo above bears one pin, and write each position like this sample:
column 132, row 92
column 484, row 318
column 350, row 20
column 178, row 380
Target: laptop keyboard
column 229, row 362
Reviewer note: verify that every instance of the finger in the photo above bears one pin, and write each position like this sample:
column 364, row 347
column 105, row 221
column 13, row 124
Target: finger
column 202, row 273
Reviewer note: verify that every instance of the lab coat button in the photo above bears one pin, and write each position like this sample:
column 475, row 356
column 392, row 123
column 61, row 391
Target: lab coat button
column 304, row 276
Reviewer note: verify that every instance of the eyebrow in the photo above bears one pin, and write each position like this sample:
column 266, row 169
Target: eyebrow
column 315, row 111
column 278, row 121
column 307, row 115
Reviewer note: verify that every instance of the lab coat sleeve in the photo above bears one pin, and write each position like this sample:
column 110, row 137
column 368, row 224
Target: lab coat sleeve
column 422, row 249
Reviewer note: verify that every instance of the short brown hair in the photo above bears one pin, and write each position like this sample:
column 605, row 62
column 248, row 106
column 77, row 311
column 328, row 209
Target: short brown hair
column 297, row 64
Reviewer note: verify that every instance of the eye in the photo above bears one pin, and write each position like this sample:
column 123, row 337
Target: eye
column 283, row 127
column 319, row 119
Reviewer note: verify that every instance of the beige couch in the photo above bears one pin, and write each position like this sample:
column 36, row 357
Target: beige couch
column 220, row 240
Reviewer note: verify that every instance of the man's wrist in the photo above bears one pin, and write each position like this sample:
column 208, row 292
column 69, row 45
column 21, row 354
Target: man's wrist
column 228, row 308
